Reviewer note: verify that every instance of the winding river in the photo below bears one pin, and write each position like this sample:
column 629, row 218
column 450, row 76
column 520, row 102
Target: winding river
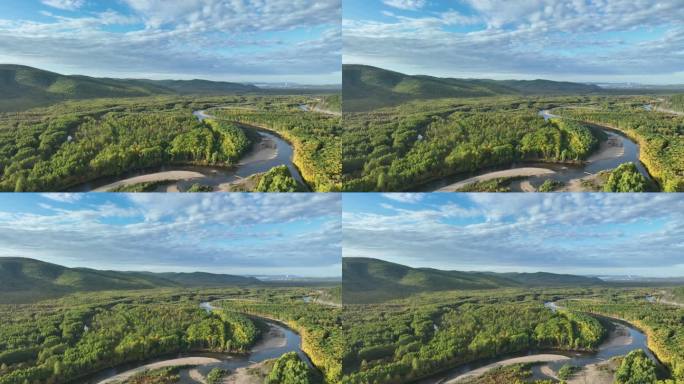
column 616, row 150
column 623, row 339
column 277, row 341
column 269, row 152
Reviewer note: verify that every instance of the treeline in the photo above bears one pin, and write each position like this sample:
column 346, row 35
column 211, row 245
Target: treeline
column 626, row 178
column 290, row 369
column 318, row 325
column 402, row 344
column 315, row 137
column 660, row 137
column 59, row 152
column 66, row 344
column 661, row 323
column 677, row 102
column 278, row 179
column 396, row 150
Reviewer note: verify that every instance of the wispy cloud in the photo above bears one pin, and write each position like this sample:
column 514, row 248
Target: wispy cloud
column 64, row 197
column 64, row 4
column 405, row 4
column 405, row 197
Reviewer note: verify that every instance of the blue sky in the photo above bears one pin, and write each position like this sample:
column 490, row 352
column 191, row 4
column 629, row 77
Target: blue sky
column 255, row 234
column 573, row 40
column 231, row 40
column 583, row 233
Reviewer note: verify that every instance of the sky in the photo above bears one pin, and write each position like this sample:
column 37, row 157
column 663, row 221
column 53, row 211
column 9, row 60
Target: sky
column 235, row 233
column 229, row 40
column 571, row 40
column 576, row 233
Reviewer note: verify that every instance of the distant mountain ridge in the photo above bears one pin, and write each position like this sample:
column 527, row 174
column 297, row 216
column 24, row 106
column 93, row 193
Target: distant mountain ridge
column 25, row 279
column 366, row 87
column 367, row 280
column 24, row 87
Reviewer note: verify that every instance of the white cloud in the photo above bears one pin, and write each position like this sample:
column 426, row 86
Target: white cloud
column 69, row 5
column 405, row 197
column 64, row 197
column 405, row 4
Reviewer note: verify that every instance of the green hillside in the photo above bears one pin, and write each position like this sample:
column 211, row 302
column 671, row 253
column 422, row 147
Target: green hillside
column 25, row 87
column 366, row 87
column 367, row 280
column 23, row 279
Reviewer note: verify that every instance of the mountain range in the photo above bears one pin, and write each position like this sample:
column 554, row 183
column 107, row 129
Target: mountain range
column 366, row 87
column 23, row 279
column 367, row 280
column 25, row 87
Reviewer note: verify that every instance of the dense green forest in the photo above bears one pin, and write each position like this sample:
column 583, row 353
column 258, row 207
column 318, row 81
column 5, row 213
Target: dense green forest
column 401, row 148
column 61, row 341
column 445, row 320
column 69, row 338
column 402, row 132
column 67, row 144
column 315, row 137
column 400, row 341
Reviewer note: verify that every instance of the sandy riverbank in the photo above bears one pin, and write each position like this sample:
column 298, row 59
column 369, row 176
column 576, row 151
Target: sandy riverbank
column 254, row 374
column 541, row 358
column 197, row 360
column 152, row 177
column 515, row 172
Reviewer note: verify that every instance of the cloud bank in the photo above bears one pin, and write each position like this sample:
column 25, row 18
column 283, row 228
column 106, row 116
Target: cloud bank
column 566, row 233
column 296, row 234
column 580, row 40
column 241, row 40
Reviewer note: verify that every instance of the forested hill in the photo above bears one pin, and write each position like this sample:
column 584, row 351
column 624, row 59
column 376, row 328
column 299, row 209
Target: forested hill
column 366, row 87
column 24, row 87
column 23, row 279
column 367, row 280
